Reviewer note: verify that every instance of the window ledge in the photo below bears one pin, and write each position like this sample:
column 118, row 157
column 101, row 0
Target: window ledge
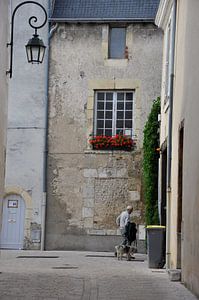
column 90, row 151
column 120, row 63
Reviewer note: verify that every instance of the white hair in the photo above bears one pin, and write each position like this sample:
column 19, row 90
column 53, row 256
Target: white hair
column 129, row 207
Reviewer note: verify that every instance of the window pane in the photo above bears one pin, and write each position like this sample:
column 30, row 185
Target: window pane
column 128, row 115
column 119, row 131
column 99, row 132
column 108, row 124
column 128, row 124
column 129, row 96
column 120, row 96
column 109, row 96
column 100, row 96
column 120, row 115
column 117, row 42
column 129, row 105
column 100, row 123
column 119, row 124
column 113, row 109
column 109, row 105
column 108, row 132
column 100, row 105
column 108, row 114
column 100, row 114
column 120, row 105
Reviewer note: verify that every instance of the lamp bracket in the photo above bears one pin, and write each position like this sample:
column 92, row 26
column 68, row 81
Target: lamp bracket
column 32, row 22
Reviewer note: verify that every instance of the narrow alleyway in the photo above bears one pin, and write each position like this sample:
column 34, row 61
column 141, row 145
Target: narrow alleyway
column 83, row 276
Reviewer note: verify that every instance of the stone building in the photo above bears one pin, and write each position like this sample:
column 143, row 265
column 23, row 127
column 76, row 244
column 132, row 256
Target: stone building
column 179, row 161
column 24, row 195
column 105, row 71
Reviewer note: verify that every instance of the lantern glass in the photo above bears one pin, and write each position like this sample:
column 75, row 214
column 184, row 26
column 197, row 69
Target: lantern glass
column 35, row 50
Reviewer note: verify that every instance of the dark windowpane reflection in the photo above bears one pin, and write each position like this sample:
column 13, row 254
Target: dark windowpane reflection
column 109, row 96
column 129, row 96
column 100, row 105
column 108, row 114
column 109, row 105
column 119, row 124
column 129, row 105
column 120, row 96
column 120, row 105
column 99, row 132
column 100, row 114
column 108, row 124
column 128, row 115
column 100, row 123
column 128, row 124
column 119, row 131
column 120, row 115
column 108, row 132
column 100, row 96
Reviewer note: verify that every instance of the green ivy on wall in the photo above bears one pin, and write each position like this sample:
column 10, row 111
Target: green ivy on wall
column 150, row 164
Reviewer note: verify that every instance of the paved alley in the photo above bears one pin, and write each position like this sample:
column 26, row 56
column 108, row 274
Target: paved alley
column 71, row 275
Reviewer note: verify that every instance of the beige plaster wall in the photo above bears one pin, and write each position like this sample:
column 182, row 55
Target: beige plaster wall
column 186, row 108
column 87, row 189
column 3, row 92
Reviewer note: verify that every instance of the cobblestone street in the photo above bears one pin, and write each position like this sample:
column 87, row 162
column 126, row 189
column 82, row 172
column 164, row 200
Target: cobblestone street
column 83, row 276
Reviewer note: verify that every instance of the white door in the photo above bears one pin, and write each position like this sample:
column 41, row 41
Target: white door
column 12, row 231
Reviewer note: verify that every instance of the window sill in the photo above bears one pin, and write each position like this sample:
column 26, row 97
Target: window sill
column 105, row 152
column 120, row 63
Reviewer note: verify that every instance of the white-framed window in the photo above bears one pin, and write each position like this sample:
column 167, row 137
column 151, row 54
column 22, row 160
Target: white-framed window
column 113, row 113
column 117, row 42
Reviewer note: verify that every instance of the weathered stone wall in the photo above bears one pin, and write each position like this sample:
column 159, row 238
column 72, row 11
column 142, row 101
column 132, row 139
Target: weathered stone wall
column 87, row 189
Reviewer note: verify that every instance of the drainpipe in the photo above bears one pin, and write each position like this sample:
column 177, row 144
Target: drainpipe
column 169, row 139
column 44, row 202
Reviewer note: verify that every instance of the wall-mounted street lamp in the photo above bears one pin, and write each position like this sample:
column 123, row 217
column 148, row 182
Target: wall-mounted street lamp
column 35, row 47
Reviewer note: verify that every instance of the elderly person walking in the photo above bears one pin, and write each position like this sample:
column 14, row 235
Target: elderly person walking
column 122, row 220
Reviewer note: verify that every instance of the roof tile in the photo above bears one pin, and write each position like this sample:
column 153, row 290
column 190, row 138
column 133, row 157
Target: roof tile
column 105, row 9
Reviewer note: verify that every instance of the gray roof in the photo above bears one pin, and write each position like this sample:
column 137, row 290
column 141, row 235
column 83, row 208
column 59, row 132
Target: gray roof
column 105, row 10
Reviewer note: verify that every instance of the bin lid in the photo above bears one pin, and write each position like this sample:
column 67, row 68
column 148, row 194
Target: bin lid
column 155, row 227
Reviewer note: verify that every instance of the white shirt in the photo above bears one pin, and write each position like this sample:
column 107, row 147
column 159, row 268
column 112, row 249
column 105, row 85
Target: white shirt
column 123, row 219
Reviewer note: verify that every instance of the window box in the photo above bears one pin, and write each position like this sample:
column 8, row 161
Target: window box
column 117, row 142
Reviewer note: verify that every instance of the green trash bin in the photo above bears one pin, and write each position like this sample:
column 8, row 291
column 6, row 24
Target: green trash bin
column 156, row 246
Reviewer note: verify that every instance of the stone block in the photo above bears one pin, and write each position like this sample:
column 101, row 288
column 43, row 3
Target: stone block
column 101, row 84
column 136, row 213
column 90, row 103
column 90, row 173
column 102, row 173
column 106, row 172
column 116, row 63
column 87, row 212
column 122, row 172
column 134, row 196
column 88, row 192
column 111, row 232
column 142, row 232
column 174, row 275
column 97, row 232
column 89, row 202
column 88, row 223
column 118, row 232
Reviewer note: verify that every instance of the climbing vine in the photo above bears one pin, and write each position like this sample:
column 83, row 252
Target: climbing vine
column 150, row 164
